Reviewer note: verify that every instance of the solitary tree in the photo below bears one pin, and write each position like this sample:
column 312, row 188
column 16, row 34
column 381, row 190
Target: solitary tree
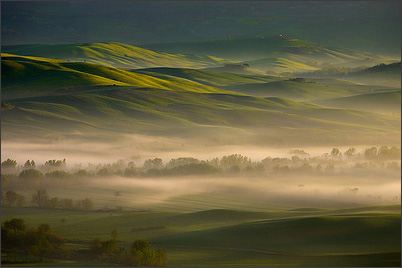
column 40, row 197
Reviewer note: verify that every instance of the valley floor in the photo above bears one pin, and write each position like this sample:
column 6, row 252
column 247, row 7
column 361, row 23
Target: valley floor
column 356, row 237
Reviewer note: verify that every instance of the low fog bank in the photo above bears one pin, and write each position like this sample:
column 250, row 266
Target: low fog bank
column 138, row 148
column 258, row 179
column 253, row 193
column 196, row 193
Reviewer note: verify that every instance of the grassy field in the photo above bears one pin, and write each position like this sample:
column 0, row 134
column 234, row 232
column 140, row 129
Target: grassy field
column 47, row 94
column 116, row 55
column 208, row 78
column 311, row 89
column 383, row 74
column 32, row 76
column 365, row 236
column 291, row 110
column 290, row 49
column 388, row 102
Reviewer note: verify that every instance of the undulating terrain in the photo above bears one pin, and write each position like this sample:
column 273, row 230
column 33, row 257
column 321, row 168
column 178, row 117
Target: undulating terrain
column 260, row 142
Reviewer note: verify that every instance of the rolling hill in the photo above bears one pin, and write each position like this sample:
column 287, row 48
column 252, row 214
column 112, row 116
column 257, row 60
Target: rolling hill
column 206, row 77
column 305, row 90
column 294, row 52
column 357, row 236
column 382, row 74
column 24, row 76
column 281, row 65
column 269, row 85
column 53, row 98
column 272, row 55
column 380, row 102
column 115, row 54
column 323, row 235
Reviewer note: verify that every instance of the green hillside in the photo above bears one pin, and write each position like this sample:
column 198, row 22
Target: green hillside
column 272, row 55
column 208, row 78
column 306, row 90
column 115, row 54
column 24, row 76
column 383, row 74
column 53, row 98
column 380, row 102
column 94, row 223
column 132, row 110
column 280, row 65
column 269, row 85
column 343, row 234
column 359, row 236
column 250, row 49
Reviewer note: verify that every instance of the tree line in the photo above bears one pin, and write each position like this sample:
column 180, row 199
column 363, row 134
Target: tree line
column 41, row 198
column 300, row 161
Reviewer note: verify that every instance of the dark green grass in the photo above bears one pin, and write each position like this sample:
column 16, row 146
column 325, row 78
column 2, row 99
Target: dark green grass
column 357, row 234
column 52, row 97
column 146, row 110
column 380, row 102
column 383, row 74
column 260, row 48
column 30, row 76
column 201, row 257
column 208, row 78
column 312, row 89
column 366, row 236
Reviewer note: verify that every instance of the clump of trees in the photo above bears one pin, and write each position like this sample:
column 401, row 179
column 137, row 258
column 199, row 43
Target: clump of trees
column 41, row 198
column 34, row 243
column 383, row 153
column 54, row 164
column 31, row 177
column 140, row 253
column 12, row 198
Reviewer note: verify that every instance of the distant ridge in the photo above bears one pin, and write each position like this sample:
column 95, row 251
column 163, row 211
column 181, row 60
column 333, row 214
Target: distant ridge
column 116, row 55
